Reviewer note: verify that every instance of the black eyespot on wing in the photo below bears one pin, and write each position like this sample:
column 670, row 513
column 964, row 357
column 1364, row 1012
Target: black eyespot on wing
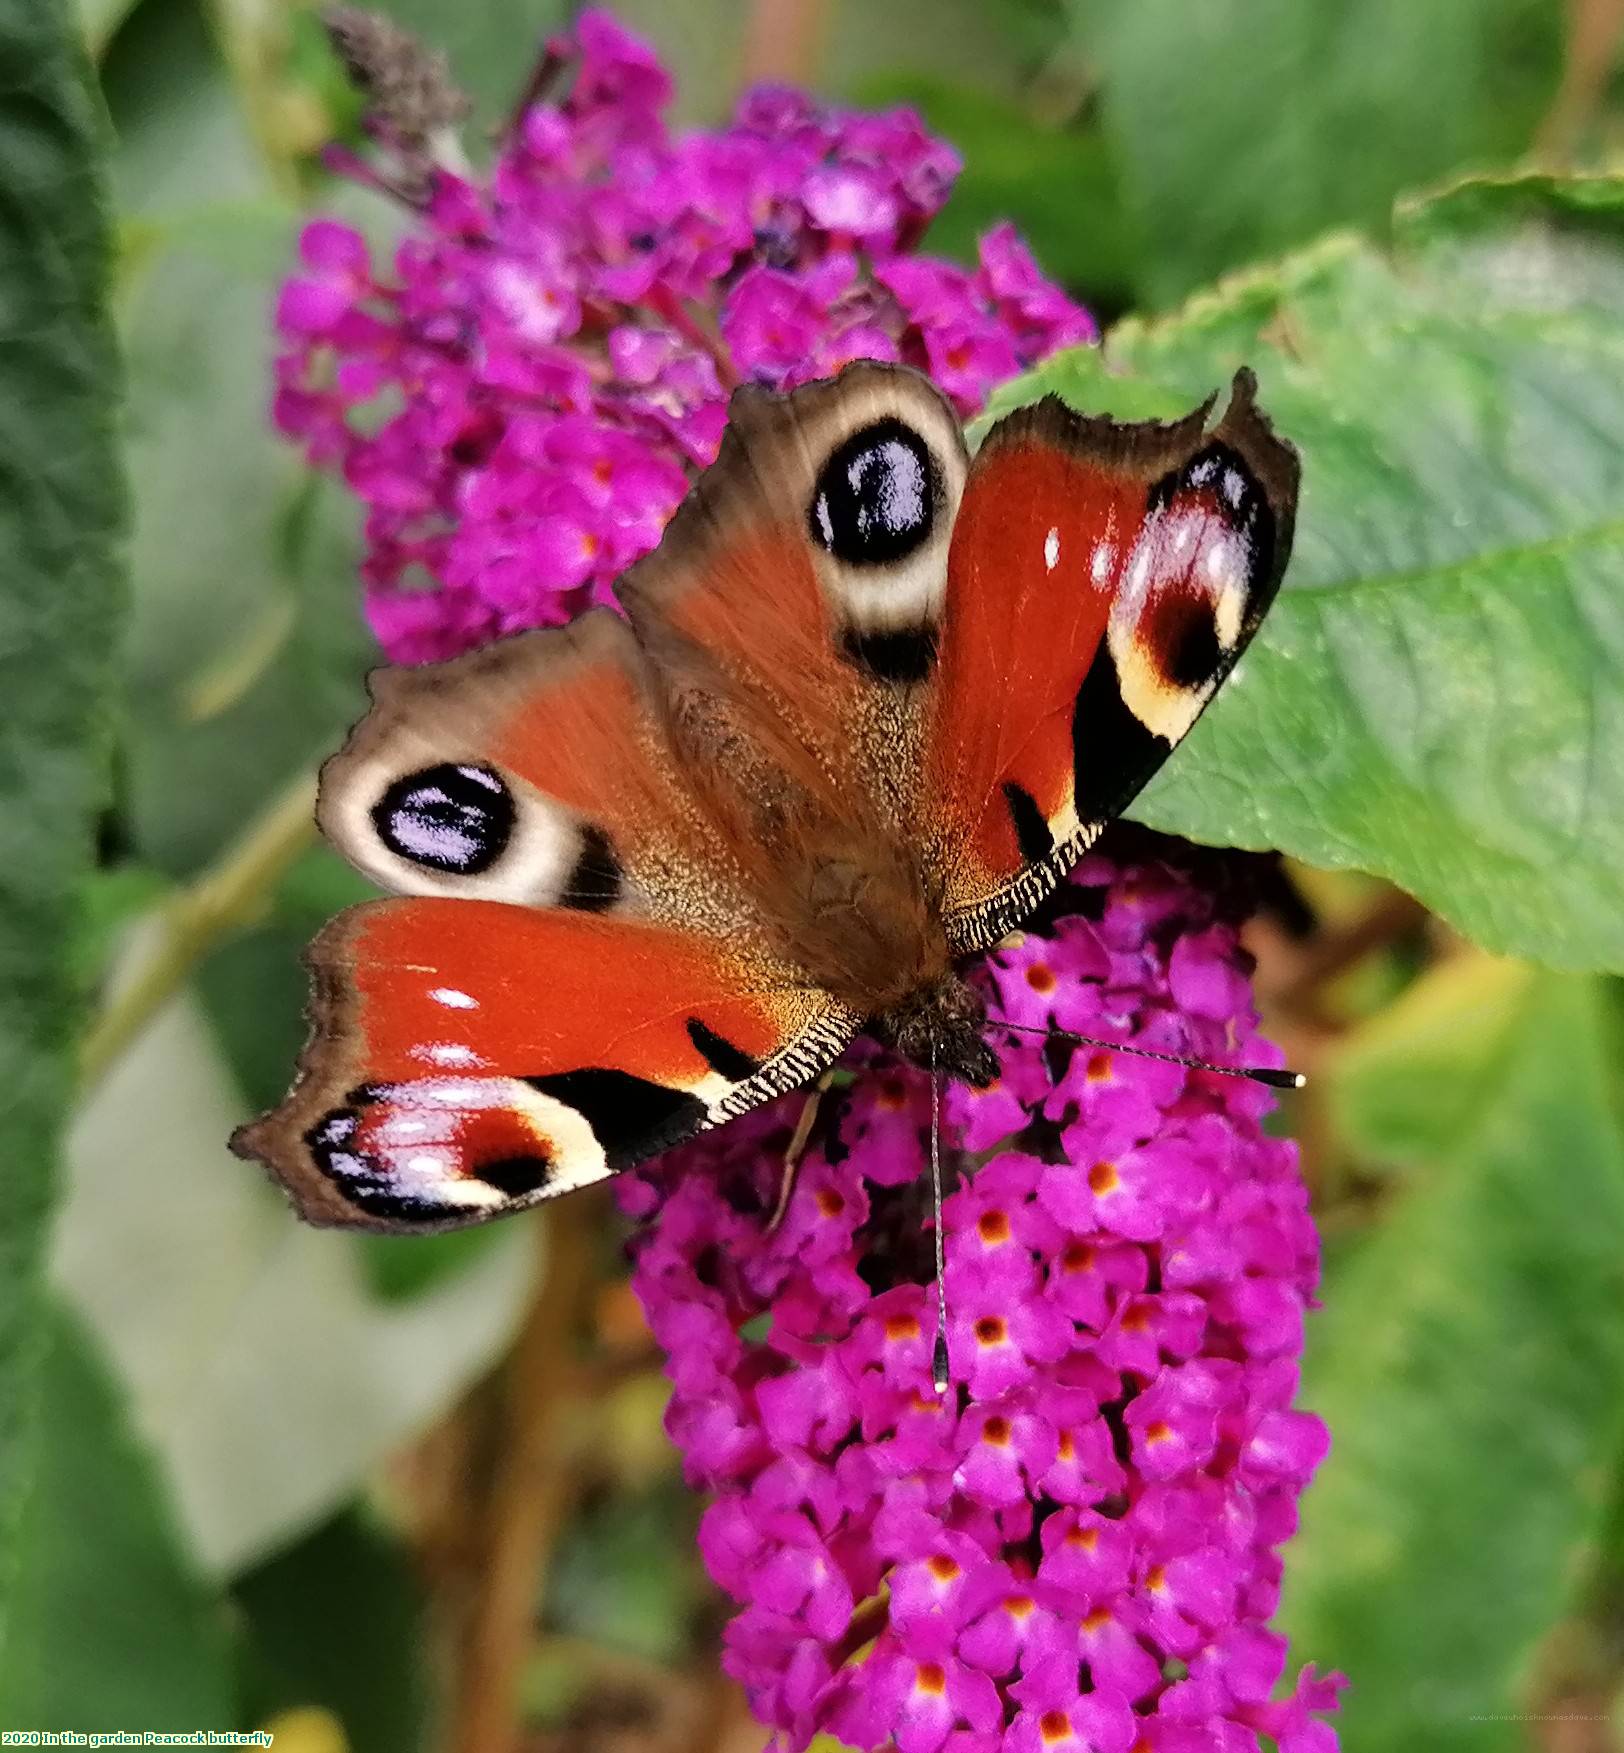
column 452, row 818
column 1221, row 471
column 514, row 1175
column 720, row 1054
column 1112, row 750
column 357, row 1175
column 333, row 1132
column 595, row 883
column 901, row 658
column 1032, row 833
column 1182, row 634
column 877, row 497
column 632, row 1117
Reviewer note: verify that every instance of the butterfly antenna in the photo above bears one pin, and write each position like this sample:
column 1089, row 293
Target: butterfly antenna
column 1265, row 1074
column 939, row 1362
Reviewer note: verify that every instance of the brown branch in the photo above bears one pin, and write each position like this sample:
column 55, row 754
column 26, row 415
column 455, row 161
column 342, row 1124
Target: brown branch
column 531, row 1489
column 1388, row 917
column 542, row 86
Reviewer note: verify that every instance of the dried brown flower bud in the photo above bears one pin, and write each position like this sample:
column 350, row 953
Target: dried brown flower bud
column 411, row 96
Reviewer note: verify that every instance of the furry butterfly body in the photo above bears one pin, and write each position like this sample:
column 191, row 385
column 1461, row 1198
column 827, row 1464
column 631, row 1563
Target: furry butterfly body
column 869, row 702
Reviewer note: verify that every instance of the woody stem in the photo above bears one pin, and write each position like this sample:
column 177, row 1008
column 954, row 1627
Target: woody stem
column 531, row 1493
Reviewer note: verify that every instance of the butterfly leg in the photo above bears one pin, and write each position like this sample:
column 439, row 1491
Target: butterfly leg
column 796, row 1148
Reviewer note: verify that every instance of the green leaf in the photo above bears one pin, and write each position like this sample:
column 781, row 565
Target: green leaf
column 230, row 536
column 118, row 1629
column 99, row 21
column 337, row 1621
column 61, row 520
column 1435, row 696
column 1467, row 1361
column 1248, row 126
column 260, row 1365
column 182, row 140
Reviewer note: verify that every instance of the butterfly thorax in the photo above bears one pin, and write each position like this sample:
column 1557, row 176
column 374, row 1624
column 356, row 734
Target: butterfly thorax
column 939, row 1027
column 842, row 892
column 861, row 918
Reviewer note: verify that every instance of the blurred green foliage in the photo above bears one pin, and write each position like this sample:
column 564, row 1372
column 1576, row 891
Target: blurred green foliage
column 61, row 516
column 1248, row 126
column 194, row 1423
column 1468, row 1359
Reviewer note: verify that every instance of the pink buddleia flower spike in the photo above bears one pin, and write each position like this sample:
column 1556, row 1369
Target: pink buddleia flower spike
column 607, row 277
column 1076, row 1547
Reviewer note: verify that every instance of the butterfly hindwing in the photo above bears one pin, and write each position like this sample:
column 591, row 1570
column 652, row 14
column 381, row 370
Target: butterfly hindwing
column 1103, row 580
column 470, row 1058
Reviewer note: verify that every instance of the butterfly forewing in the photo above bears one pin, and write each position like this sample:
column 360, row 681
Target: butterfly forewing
column 1104, row 579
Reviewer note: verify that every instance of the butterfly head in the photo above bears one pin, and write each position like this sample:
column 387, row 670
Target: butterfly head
column 941, row 1027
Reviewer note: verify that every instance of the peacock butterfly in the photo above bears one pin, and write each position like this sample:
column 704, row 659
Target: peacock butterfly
column 870, row 701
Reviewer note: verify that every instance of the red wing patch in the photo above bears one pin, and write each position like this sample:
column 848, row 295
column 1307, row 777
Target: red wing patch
column 1103, row 580
column 468, row 1058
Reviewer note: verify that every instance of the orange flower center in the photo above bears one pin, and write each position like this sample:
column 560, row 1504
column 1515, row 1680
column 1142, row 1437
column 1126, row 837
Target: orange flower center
column 1103, row 1178
column 991, row 1330
column 892, row 1095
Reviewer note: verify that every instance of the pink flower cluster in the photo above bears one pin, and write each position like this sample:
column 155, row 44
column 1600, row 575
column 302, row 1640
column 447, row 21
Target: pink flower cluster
column 521, row 397
column 1074, row 1550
